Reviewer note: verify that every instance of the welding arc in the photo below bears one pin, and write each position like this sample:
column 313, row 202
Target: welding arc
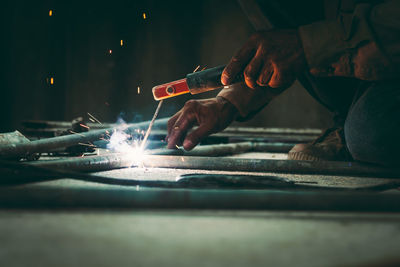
column 48, row 144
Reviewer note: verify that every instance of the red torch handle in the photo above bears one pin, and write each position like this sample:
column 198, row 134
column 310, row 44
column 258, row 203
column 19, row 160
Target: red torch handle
column 171, row 89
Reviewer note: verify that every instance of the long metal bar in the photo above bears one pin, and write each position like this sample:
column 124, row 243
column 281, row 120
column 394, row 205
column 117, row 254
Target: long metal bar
column 44, row 124
column 270, row 130
column 238, row 148
column 118, row 160
column 232, row 136
column 13, row 173
column 226, row 149
column 45, row 145
column 61, row 125
column 98, row 198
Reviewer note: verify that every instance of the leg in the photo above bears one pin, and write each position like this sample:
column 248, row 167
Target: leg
column 336, row 94
column 373, row 124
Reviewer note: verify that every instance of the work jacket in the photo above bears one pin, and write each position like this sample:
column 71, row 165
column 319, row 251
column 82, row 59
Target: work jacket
column 359, row 39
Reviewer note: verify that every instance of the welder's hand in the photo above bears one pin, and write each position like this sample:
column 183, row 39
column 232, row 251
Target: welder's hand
column 211, row 115
column 269, row 58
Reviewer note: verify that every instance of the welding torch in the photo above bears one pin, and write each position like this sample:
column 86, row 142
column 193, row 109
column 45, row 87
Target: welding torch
column 194, row 83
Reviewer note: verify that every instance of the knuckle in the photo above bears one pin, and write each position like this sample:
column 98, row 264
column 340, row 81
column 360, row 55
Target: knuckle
column 263, row 79
column 190, row 104
column 170, row 123
column 194, row 137
column 261, row 82
column 249, row 83
column 249, row 73
column 279, row 82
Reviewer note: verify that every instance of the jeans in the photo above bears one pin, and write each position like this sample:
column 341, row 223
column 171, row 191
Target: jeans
column 369, row 113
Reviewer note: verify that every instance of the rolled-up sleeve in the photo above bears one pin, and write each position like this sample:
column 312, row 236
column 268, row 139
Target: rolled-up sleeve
column 248, row 101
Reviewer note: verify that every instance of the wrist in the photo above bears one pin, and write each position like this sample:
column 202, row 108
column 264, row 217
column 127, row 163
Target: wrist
column 227, row 108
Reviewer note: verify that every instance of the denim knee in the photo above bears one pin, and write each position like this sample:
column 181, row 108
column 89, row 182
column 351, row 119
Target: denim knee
column 372, row 125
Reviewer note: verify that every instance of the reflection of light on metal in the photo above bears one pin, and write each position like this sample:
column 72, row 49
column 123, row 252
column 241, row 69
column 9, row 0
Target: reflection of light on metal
column 84, row 126
column 91, row 117
column 144, row 16
column 50, row 13
column 110, row 51
column 138, row 90
column 122, row 42
column 52, row 80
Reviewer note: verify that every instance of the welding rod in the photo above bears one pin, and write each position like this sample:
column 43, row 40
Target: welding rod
column 123, row 160
column 48, row 144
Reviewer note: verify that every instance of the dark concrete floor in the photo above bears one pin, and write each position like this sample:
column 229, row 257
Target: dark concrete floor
column 132, row 237
column 197, row 238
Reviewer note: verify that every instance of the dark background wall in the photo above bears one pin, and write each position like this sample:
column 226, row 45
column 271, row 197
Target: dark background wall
column 73, row 46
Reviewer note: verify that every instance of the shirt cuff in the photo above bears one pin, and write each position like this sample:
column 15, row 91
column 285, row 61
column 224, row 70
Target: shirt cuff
column 247, row 101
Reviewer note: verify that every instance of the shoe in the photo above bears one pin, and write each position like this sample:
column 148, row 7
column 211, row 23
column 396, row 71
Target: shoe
column 330, row 146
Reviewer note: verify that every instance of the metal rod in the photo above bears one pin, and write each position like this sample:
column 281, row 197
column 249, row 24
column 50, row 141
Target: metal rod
column 118, row 160
column 14, row 173
column 226, row 149
column 263, row 130
column 45, row 145
column 61, row 125
column 151, row 125
column 97, row 198
column 232, row 136
column 235, row 137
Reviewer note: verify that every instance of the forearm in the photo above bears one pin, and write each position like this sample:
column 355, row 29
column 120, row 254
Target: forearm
column 248, row 101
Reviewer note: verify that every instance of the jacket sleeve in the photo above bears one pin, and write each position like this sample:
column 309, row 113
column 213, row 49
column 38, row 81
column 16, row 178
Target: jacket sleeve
column 248, row 101
column 363, row 43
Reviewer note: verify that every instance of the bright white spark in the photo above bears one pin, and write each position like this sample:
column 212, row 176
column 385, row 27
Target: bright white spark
column 122, row 142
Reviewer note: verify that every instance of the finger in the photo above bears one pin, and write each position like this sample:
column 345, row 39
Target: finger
column 185, row 121
column 265, row 75
column 171, row 122
column 237, row 63
column 281, row 78
column 194, row 138
column 252, row 71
